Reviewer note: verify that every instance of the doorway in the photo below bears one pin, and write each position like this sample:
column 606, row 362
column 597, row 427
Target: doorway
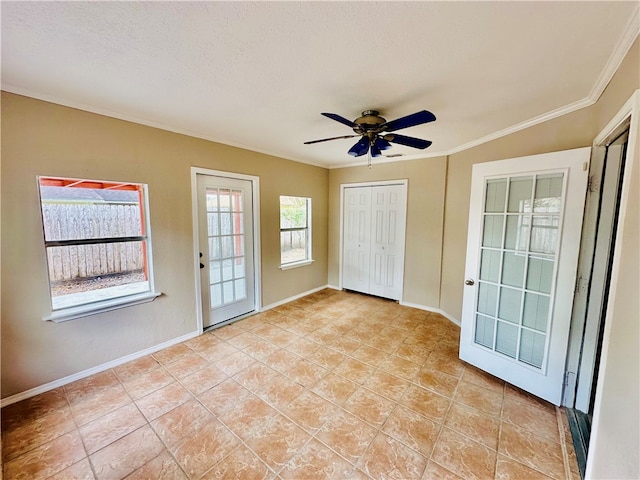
column 597, row 250
column 227, row 246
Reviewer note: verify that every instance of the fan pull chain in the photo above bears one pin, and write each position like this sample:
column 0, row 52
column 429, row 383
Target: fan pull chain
column 369, row 163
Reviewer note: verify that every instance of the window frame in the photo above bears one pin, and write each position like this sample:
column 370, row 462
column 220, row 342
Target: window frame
column 308, row 229
column 61, row 314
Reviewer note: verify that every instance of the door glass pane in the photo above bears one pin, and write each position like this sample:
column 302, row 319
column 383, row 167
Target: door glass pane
column 227, row 247
column 238, row 245
column 227, row 292
column 238, row 223
column 517, row 235
column 484, row 330
column 495, row 194
column 540, row 274
column 487, row 297
column 544, row 233
column 216, row 295
column 507, row 339
column 214, row 248
column 213, row 224
column 240, row 289
column 212, row 199
column 510, row 300
column 227, row 269
column 215, row 275
column 532, row 348
column 548, row 193
column 513, row 269
column 492, row 231
column 536, row 311
column 239, row 267
column 520, row 194
column 236, row 204
column 226, row 224
column 490, row 265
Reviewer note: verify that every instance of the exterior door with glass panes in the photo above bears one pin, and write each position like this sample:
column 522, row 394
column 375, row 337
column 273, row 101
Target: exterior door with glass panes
column 225, row 215
column 525, row 220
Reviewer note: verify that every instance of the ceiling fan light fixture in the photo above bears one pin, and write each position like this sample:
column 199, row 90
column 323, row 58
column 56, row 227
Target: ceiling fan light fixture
column 360, row 148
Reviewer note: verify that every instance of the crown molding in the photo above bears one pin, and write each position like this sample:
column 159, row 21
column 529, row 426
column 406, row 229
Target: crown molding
column 628, row 36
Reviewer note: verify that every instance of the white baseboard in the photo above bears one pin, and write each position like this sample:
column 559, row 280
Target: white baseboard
column 295, row 297
column 432, row 309
column 91, row 371
column 333, row 287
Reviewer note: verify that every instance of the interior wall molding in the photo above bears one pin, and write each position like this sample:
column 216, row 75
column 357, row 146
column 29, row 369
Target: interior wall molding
column 426, row 308
column 295, row 297
column 32, row 392
column 628, row 36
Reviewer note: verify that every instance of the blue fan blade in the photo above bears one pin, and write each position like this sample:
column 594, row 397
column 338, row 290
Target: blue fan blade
column 408, row 141
column 382, row 144
column 360, row 148
column 417, row 118
column 332, row 138
column 340, row 119
column 375, row 150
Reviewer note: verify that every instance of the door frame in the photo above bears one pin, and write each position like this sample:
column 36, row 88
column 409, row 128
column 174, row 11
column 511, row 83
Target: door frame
column 380, row 183
column 255, row 190
column 629, row 114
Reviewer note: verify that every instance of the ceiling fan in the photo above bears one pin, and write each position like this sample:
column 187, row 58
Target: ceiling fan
column 375, row 132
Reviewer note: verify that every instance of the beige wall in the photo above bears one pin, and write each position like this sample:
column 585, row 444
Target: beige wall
column 425, row 204
column 40, row 138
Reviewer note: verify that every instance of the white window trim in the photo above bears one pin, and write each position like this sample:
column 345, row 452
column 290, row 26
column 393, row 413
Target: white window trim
column 95, row 308
column 107, row 305
column 302, row 263
column 309, row 260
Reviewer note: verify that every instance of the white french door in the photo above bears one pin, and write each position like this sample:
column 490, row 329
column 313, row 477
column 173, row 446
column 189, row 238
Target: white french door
column 226, row 239
column 525, row 220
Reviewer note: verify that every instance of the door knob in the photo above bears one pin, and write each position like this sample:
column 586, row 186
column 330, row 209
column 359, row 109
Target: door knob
column 201, row 265
column 469, row 281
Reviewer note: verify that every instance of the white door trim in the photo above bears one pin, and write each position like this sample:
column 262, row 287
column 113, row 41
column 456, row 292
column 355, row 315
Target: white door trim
column 379, row 183
column 255, row 182
column 630, row 109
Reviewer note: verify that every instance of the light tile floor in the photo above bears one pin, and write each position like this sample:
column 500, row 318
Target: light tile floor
column 334, row 385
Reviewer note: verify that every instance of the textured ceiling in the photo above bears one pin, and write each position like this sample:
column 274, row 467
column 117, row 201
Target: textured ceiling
column 258, row 74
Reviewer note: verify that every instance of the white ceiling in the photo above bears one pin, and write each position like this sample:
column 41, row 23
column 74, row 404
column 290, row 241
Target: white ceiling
column 258, row 74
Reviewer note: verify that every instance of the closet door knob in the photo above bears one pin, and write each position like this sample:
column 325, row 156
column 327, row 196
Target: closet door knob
column 469, row 282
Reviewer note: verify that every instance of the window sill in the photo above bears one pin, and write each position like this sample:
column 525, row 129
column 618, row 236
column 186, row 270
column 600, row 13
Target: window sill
column 289, row 266
column 94, row 308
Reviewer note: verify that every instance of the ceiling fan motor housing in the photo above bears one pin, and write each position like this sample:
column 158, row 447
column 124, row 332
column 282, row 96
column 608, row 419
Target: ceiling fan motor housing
column 368, row 122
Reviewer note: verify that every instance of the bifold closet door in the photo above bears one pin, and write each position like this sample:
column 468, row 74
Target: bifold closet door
column 373, row 243
column 388, row 206
column 357, row 239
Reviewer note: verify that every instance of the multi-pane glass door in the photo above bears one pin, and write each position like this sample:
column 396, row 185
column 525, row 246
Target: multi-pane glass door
column 225, row 210
column 225, row 234
column 521, row 218
column 525, row 221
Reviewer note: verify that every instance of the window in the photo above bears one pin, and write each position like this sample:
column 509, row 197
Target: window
column 97, row 243
column 295, row 231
